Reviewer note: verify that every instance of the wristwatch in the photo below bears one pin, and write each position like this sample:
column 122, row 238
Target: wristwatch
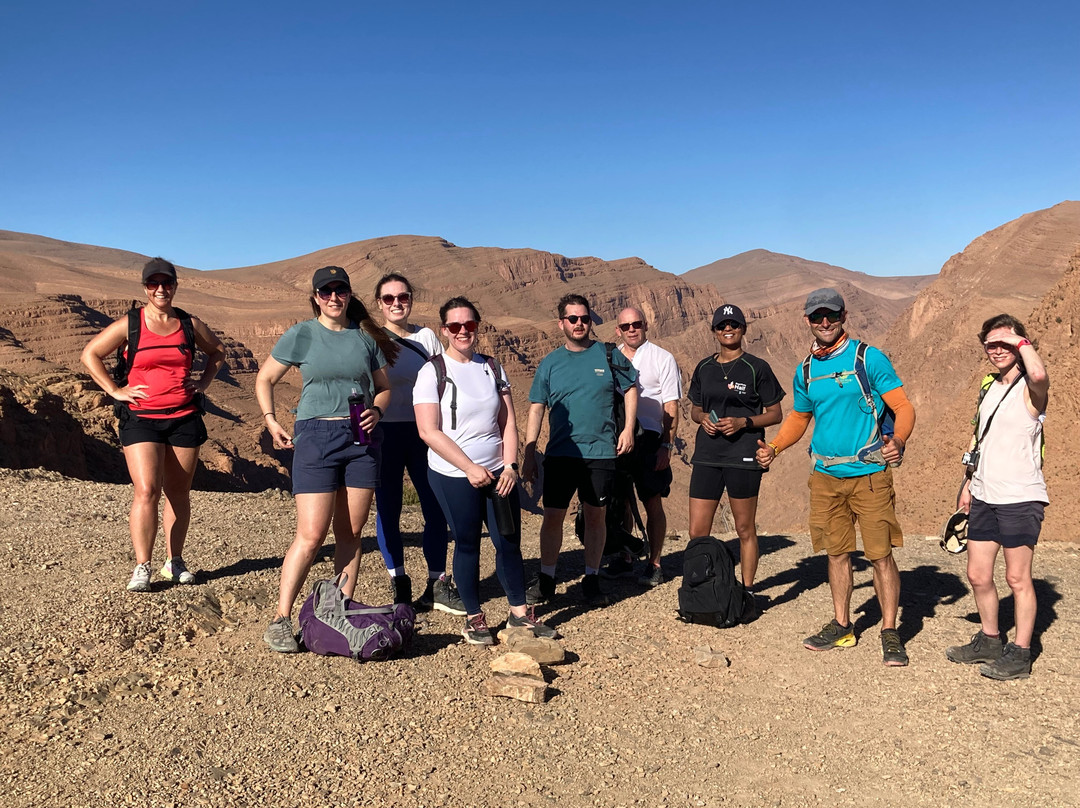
column 665, row 445
column 749, row 423
column 514, row 466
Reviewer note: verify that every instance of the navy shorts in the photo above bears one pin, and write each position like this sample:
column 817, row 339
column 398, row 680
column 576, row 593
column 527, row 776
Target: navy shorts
column 185, row 432
column 326, row 459
column 594, row 480
column 709, row 482
column 1014, row 525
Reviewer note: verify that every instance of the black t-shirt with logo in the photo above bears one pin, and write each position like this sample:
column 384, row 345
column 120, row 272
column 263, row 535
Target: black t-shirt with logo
column 741, row 388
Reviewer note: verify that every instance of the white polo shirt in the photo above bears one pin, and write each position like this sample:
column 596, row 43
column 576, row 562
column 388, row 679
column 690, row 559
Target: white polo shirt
column 658, row 383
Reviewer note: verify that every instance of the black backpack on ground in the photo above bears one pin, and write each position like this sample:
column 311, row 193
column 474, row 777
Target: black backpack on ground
column 710, row 592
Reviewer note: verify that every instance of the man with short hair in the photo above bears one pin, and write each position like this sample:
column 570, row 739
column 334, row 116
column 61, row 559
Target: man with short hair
column 578, row 385
column 851, row 481
column 659, row 390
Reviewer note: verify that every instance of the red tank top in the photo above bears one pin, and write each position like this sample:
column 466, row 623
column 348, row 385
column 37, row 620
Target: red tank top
column 162, row 364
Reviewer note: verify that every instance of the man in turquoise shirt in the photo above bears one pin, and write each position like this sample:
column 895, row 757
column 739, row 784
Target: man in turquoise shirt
column 579, row 386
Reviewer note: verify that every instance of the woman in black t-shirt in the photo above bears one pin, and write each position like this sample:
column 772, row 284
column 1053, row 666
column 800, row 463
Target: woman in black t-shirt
column 734, row 396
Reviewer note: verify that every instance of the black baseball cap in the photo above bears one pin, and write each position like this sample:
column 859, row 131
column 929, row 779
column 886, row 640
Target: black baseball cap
column 329, row 275
column 728, row 312
column 158, row 266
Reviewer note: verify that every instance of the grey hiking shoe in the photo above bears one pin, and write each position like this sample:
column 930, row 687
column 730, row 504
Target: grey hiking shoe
column 140, row 578
column 447, row 598
column 530, row 622
column 980, row 649
column 280, row 637
column 892, row 649
column 176, row 571
column 1014, row 663
column 651, row 575
column 832, row 635
column 476, row 631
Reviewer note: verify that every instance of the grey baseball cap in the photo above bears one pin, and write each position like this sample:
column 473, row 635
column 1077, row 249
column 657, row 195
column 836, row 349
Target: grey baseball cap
column 826, row 298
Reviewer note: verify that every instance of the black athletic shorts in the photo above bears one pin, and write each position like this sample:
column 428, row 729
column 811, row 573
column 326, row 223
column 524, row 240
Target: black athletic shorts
column 709, row 482
column 1014, row 525
column 593, row 480
column 641, row 465
column 185, row 432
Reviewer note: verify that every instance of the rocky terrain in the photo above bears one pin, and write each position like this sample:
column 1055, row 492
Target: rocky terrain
column 171, row 699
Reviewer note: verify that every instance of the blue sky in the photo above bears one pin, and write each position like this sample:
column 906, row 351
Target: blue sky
column 882, row 137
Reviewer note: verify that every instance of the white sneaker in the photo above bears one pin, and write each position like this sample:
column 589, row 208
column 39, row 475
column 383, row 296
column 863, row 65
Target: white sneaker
column 140, row 578
column 176, row 570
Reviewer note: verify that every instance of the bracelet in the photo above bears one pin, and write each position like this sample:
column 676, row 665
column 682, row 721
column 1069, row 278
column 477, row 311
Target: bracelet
column 666, row 446
column 1022, row 343
column 270, row 414
column 775, row 448
column 377, row 409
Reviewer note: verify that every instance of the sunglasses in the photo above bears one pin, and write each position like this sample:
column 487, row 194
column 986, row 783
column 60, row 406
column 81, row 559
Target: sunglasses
column 150, row 285
column 997, row 346
column 726, row 324
column 637, row 325
column 325, row 292
column 403, row 298
column 831, row 316
column 573, row 319
column 455, row 328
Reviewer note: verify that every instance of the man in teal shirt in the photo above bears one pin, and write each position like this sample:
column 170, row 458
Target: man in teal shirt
column 579, row 386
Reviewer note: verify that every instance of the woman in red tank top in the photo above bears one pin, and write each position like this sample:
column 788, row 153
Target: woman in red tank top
column 161, row 426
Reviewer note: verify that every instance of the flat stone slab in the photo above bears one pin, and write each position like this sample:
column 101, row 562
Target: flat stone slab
column 517, row 686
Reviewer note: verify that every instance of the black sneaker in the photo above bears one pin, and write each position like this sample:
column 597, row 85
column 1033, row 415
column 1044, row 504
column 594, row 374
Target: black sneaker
column 426, row 602
column 591, row 592
column 651, row 575
column 402, row 588
column 530, row 622
column 447, row 598
column 832, row 635
column 476, row 631
column 980, row 649
column 618, row 567
column 541, row 589
column 750, row 611
column 892, row 649
column 1014, row 663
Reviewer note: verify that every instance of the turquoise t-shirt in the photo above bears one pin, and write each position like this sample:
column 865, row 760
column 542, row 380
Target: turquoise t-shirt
column 332, row 364
column 843, row 419
column 577, row 388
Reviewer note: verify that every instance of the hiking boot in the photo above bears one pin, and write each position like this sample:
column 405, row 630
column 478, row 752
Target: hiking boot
column 476, row 631
column 426, row 602
column 530, row 622
column 591, row 592
column 402, row 588
column 980, row 649
column 446, row 597
column 140, row 578
column 176, row 571
column 651, row 575
column 618, row 567
column 751, row 611
column 892, row 650
column 832, row 635
column 541, row 589
column 1014, row 663
column 280, row 637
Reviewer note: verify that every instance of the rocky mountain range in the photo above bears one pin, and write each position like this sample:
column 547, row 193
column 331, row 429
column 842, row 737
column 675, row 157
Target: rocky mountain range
column 54, row 295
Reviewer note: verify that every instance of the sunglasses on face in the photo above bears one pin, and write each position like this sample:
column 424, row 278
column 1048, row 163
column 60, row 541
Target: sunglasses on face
column 637, row 325
column 403, row 298
column 325, row 292
column 152, row 285
column 727, row 324
column 455, row 328
column 997, row 346
column 831, row 316
column 573, row 319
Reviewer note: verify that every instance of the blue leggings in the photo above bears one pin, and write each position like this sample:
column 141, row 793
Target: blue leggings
column 403, row 449
column 467, row 509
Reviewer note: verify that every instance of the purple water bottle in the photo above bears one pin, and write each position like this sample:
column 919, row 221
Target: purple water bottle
column 356, row 409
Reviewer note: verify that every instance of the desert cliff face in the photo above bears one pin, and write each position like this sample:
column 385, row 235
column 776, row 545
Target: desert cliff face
column 55, row 295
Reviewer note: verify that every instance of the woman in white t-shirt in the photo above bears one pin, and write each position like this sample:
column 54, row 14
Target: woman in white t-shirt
column 465, row 414
column 403, row 450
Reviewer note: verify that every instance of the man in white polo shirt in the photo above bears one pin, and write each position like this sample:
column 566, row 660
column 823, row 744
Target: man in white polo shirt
column 659, row 390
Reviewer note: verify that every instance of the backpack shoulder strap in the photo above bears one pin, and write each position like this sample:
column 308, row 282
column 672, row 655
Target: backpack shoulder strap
column 860, row 370
column 806, row 370
column 441, row 380
column 496, row 372
column 188, row 327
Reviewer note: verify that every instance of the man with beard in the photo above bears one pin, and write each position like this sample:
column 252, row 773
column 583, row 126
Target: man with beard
column 578, row 385
column 851, row 481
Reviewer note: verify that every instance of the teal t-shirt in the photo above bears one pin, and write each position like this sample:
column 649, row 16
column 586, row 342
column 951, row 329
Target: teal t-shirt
column 332, row 364
column 843, row 419
column 577, row 388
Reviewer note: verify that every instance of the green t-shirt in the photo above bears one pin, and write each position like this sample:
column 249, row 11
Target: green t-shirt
column 332, row 364
column 577, row 388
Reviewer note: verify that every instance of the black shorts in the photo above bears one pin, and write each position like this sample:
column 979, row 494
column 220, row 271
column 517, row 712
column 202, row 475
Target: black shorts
column 185, row 432
column 641, row 465
column 709, row 482
column 1015, row 525
column 593, row 480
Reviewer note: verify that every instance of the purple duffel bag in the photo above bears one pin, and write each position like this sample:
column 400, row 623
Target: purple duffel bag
column 333, row 625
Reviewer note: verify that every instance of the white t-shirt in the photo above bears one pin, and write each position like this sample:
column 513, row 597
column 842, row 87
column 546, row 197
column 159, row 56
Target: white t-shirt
column 658, row 383
column 403, row 372
column 478, row 402
column 1010, row 468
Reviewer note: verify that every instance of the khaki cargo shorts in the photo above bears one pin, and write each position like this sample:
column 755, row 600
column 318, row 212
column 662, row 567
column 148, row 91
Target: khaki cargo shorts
column 837, row 503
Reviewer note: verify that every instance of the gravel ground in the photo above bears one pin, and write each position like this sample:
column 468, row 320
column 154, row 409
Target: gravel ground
column 171, row 698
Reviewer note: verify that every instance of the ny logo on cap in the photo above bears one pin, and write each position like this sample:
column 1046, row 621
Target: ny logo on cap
column 728, row 310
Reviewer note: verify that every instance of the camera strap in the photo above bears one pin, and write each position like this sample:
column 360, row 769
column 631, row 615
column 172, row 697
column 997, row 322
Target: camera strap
column 979, row 438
